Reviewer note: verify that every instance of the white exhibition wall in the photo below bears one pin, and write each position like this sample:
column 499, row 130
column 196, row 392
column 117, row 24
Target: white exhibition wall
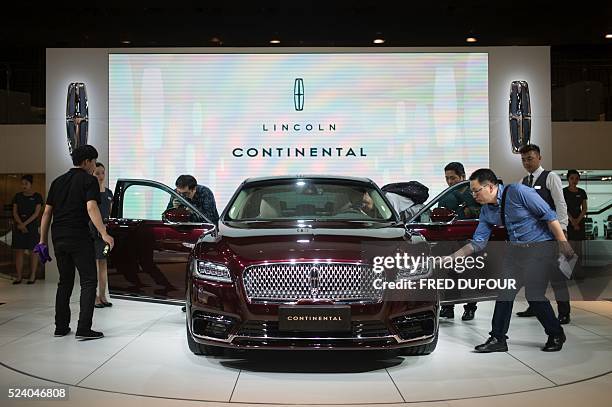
column 505, row 64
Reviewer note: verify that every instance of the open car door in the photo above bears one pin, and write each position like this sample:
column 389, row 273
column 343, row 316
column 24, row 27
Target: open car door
column 154, row 230
column 448, row 222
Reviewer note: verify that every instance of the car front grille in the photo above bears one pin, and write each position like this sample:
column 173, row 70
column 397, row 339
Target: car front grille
column 291, row 282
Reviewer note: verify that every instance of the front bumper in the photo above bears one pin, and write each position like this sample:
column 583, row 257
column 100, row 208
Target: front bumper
column 209, row 327
column 219, row 314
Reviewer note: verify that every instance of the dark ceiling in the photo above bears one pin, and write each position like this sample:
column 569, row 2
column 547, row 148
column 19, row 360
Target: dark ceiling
column 576, row 34
column 310, row 23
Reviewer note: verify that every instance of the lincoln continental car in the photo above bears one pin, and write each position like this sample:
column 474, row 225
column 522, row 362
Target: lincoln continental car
column 290, row 267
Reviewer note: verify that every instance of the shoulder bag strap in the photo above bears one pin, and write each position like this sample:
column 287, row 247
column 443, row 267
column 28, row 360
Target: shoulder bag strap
column 503, row 205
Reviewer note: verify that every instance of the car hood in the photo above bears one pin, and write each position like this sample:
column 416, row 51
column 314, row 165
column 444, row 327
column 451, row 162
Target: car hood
column 256, row 244
column 346, row 228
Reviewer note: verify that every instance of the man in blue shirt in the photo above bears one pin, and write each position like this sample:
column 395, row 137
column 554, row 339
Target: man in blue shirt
column 531, row 226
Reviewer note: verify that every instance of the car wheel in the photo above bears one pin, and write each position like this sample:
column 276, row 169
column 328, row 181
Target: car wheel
column 421, row 350
column 199, row 349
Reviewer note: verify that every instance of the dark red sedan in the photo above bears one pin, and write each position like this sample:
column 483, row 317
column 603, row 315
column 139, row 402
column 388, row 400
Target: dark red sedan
column 289, row 265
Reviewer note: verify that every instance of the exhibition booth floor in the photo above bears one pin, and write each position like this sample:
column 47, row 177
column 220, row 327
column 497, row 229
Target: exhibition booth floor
column 144, row 358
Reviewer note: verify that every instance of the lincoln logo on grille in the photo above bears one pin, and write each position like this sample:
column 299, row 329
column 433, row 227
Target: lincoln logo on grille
column 298, row 94
column 314, row 281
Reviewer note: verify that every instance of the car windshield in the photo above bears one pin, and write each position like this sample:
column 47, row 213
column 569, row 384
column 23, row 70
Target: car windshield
column 309, row 199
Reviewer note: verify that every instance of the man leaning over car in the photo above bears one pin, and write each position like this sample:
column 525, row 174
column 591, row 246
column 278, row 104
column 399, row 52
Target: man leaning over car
column 530, row 257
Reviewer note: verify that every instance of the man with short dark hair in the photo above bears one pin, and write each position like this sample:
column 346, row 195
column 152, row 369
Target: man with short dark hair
column 548, row 185
column 200, row 196
column 460, row 201
column 72, row 202
column 464, row 205
column 532, row 227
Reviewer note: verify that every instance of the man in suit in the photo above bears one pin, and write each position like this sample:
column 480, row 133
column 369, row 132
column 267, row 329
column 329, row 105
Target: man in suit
column 548, row 185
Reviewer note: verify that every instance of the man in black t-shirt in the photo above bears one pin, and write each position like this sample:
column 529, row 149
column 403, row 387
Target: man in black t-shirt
column 72, row 202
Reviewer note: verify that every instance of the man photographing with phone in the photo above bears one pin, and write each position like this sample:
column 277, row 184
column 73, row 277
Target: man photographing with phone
column 72, row 202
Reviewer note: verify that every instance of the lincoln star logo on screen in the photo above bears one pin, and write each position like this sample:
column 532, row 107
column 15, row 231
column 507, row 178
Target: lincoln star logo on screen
column 381, row 115
column 298, row 94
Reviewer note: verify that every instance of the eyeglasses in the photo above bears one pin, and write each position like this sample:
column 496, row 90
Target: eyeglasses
column 474, row 193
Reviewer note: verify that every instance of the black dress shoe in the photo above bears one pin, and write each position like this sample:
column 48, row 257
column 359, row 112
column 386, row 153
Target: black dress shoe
column 564, row 319
column 554, row 343
column 99, row 305
column 447, row 312
column 61, row 332
column 31, row 281
column 468, row 315
column 89, row 335
column 492, row 345
column 16, row 282
column 107, row 304
column 527, row 313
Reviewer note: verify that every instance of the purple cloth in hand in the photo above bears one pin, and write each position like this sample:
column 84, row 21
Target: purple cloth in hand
column 43, row 252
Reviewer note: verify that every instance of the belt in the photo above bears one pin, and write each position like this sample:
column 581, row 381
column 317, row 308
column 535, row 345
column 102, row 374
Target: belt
column 523, row 245
column 530, row 244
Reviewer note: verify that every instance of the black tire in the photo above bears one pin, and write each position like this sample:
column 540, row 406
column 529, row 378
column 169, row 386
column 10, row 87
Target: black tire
column 421, row 350
column 199, row 349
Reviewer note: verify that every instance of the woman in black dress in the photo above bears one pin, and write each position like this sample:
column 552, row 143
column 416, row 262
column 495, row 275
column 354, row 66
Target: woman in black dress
column 106, row 200
column 576, row 200
column 26, row 209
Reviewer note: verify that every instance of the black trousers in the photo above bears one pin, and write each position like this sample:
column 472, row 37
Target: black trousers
column 531, row 267
column 71, row 253
column 559, row 286
column 469, row 306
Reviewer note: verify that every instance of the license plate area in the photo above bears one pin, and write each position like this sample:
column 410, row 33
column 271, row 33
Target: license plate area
column 314, row 318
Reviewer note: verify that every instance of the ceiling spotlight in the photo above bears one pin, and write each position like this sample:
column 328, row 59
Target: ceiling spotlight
column 126, row 42
column 274, row 41
column 471, row 39
column 609, row 36
column 379, row 41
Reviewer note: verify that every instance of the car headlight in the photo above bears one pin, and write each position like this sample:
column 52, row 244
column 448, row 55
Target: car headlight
column 415, row 272
column 207, row 270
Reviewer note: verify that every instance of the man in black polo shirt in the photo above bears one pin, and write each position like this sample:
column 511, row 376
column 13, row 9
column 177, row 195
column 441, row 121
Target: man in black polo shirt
column 72, row 201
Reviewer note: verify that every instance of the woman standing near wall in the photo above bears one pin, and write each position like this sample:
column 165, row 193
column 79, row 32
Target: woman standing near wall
column 26, row 210
column 576, row 199
column 106, row 200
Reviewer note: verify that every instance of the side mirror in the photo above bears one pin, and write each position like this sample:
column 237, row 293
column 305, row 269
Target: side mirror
column 177, row 215
column 442, row 215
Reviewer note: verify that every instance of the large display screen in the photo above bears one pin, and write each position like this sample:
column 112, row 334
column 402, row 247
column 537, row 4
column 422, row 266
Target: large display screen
column 390, row 117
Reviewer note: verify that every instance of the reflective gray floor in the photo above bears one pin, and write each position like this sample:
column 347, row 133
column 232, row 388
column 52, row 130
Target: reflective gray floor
column 145, row 353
